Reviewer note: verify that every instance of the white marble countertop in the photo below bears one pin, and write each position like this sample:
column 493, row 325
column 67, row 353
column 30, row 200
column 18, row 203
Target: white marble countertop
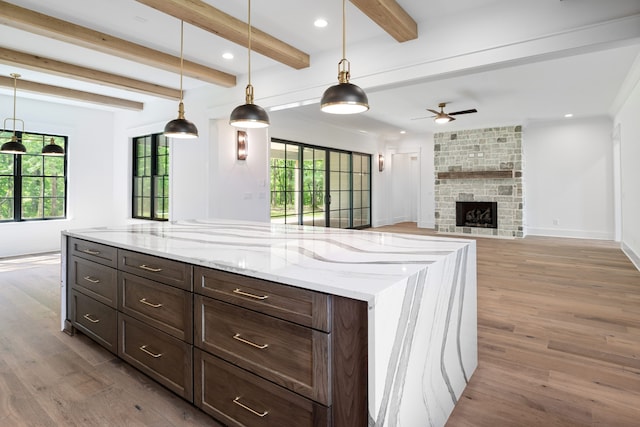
column 350, row 263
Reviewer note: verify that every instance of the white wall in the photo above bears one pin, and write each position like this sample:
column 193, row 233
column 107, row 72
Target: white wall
column 628, row 118
column 568, row 178
column 90, row 169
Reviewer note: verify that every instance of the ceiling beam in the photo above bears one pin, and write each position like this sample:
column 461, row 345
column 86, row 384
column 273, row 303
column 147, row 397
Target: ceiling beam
column 207, row 17
column 37, row 23
column 37, row 63
column 389, row 15
column 62, row 92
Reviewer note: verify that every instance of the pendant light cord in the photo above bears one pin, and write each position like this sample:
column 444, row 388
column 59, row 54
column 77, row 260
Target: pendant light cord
column 181, row 55
column 344, row 29
column 249, row 44
column 15, row 85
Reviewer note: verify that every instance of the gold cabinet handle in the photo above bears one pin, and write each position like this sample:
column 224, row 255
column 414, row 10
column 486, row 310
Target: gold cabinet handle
column 90, row 252
column 254, row 412
column 247, row 294
column 88, row 317
column 90, row 279
column 154, row 355
column 146, row 267
column 239, row 338
column 150, row 304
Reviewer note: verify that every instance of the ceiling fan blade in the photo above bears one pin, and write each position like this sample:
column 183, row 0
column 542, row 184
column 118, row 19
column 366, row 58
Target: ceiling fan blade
column 452, row 118
column 473, row 110
column 421, row 118
column 433, row 111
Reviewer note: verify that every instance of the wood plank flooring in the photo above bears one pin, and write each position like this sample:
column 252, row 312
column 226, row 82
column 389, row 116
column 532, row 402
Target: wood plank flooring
column 558, row 335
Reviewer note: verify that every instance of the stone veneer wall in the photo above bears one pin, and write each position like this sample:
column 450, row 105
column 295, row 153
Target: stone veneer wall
column 480, row 150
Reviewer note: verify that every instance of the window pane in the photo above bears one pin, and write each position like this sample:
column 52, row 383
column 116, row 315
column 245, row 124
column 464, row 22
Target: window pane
column 6, row 208
column 32, row 187
column 54, row 187
column 31, row 207
column 318, row 159
column 6, row 186
column 32, row 165
column 53, row 165
column 6, row 164
column 54, row 207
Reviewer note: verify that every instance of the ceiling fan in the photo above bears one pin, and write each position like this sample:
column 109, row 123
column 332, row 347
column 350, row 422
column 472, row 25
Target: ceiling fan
column 442, row 117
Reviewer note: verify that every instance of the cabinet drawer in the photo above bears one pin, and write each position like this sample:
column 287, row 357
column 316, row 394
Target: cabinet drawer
column 161, row 356
column 288, row 354
column 97, row 252
column 164, row 307
column 297, row 305
column 94, row 319
column 239, row 398
column 95, row 280
column 174, row 273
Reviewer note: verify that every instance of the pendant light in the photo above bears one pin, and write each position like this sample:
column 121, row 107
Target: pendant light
column 14, row 146
column 249, row 115
column 52, row 149
column 181, row 128
column 345, row 97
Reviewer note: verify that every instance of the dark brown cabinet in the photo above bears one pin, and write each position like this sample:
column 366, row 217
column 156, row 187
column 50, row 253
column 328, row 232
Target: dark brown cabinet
column 247, row 351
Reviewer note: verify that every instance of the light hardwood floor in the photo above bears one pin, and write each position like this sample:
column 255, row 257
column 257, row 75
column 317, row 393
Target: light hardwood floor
column 558, row 335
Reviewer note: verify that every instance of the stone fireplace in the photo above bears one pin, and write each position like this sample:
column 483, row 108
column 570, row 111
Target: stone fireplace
column 479, row 176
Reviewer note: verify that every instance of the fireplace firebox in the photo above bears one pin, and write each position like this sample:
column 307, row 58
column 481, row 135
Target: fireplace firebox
column 477, row 214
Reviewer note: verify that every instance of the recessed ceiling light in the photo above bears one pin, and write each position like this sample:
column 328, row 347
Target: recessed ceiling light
column 320, row 23
column 568, row 115
column 403, row 132
column 227, row 55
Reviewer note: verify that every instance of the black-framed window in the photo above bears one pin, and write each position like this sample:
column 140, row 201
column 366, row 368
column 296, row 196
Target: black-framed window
column 33, row 186
column 312, row 185
column 150, row 177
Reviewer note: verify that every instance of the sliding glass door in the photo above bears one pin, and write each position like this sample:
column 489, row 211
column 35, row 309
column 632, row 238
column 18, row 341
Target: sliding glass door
column 319, row 186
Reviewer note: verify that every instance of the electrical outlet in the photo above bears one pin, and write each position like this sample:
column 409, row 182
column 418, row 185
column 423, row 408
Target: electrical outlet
column 556, row 221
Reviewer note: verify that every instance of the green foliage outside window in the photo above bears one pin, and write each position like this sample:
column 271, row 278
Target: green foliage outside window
column 32, row 186
column 151, row 177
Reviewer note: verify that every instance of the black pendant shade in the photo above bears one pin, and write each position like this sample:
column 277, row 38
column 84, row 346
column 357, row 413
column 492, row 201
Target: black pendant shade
column 13, row 147
column 181, row 127
column 344, row 98
column 52, row 149
column 249, row 115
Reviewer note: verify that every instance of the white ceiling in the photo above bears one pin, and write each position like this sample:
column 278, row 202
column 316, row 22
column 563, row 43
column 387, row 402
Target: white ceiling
column 520, row 89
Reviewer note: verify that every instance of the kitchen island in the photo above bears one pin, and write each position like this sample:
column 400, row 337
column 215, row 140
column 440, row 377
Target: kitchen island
column 268, row 324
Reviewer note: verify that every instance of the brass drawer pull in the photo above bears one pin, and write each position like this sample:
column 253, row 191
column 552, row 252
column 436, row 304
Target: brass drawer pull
column 154, row 355
column 90, row 252
column 88, row 317
column 90, row 279
column 150, row 304
column 239, row 338
column 247, row 294
column 146, row 267
column 242, row 405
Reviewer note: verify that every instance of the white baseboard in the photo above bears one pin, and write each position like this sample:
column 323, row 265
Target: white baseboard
column 576, row 234
column 633, row 257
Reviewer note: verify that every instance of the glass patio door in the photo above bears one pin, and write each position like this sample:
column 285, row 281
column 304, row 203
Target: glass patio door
column 319, row 186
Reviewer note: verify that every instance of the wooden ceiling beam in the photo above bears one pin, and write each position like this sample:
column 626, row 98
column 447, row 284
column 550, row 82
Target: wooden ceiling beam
column 37, row 63
column 389, row 15
column 62, row 92
column 207, row 17
column 37, row 23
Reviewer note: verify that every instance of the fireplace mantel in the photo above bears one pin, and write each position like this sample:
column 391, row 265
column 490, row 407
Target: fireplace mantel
column 486, row 174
